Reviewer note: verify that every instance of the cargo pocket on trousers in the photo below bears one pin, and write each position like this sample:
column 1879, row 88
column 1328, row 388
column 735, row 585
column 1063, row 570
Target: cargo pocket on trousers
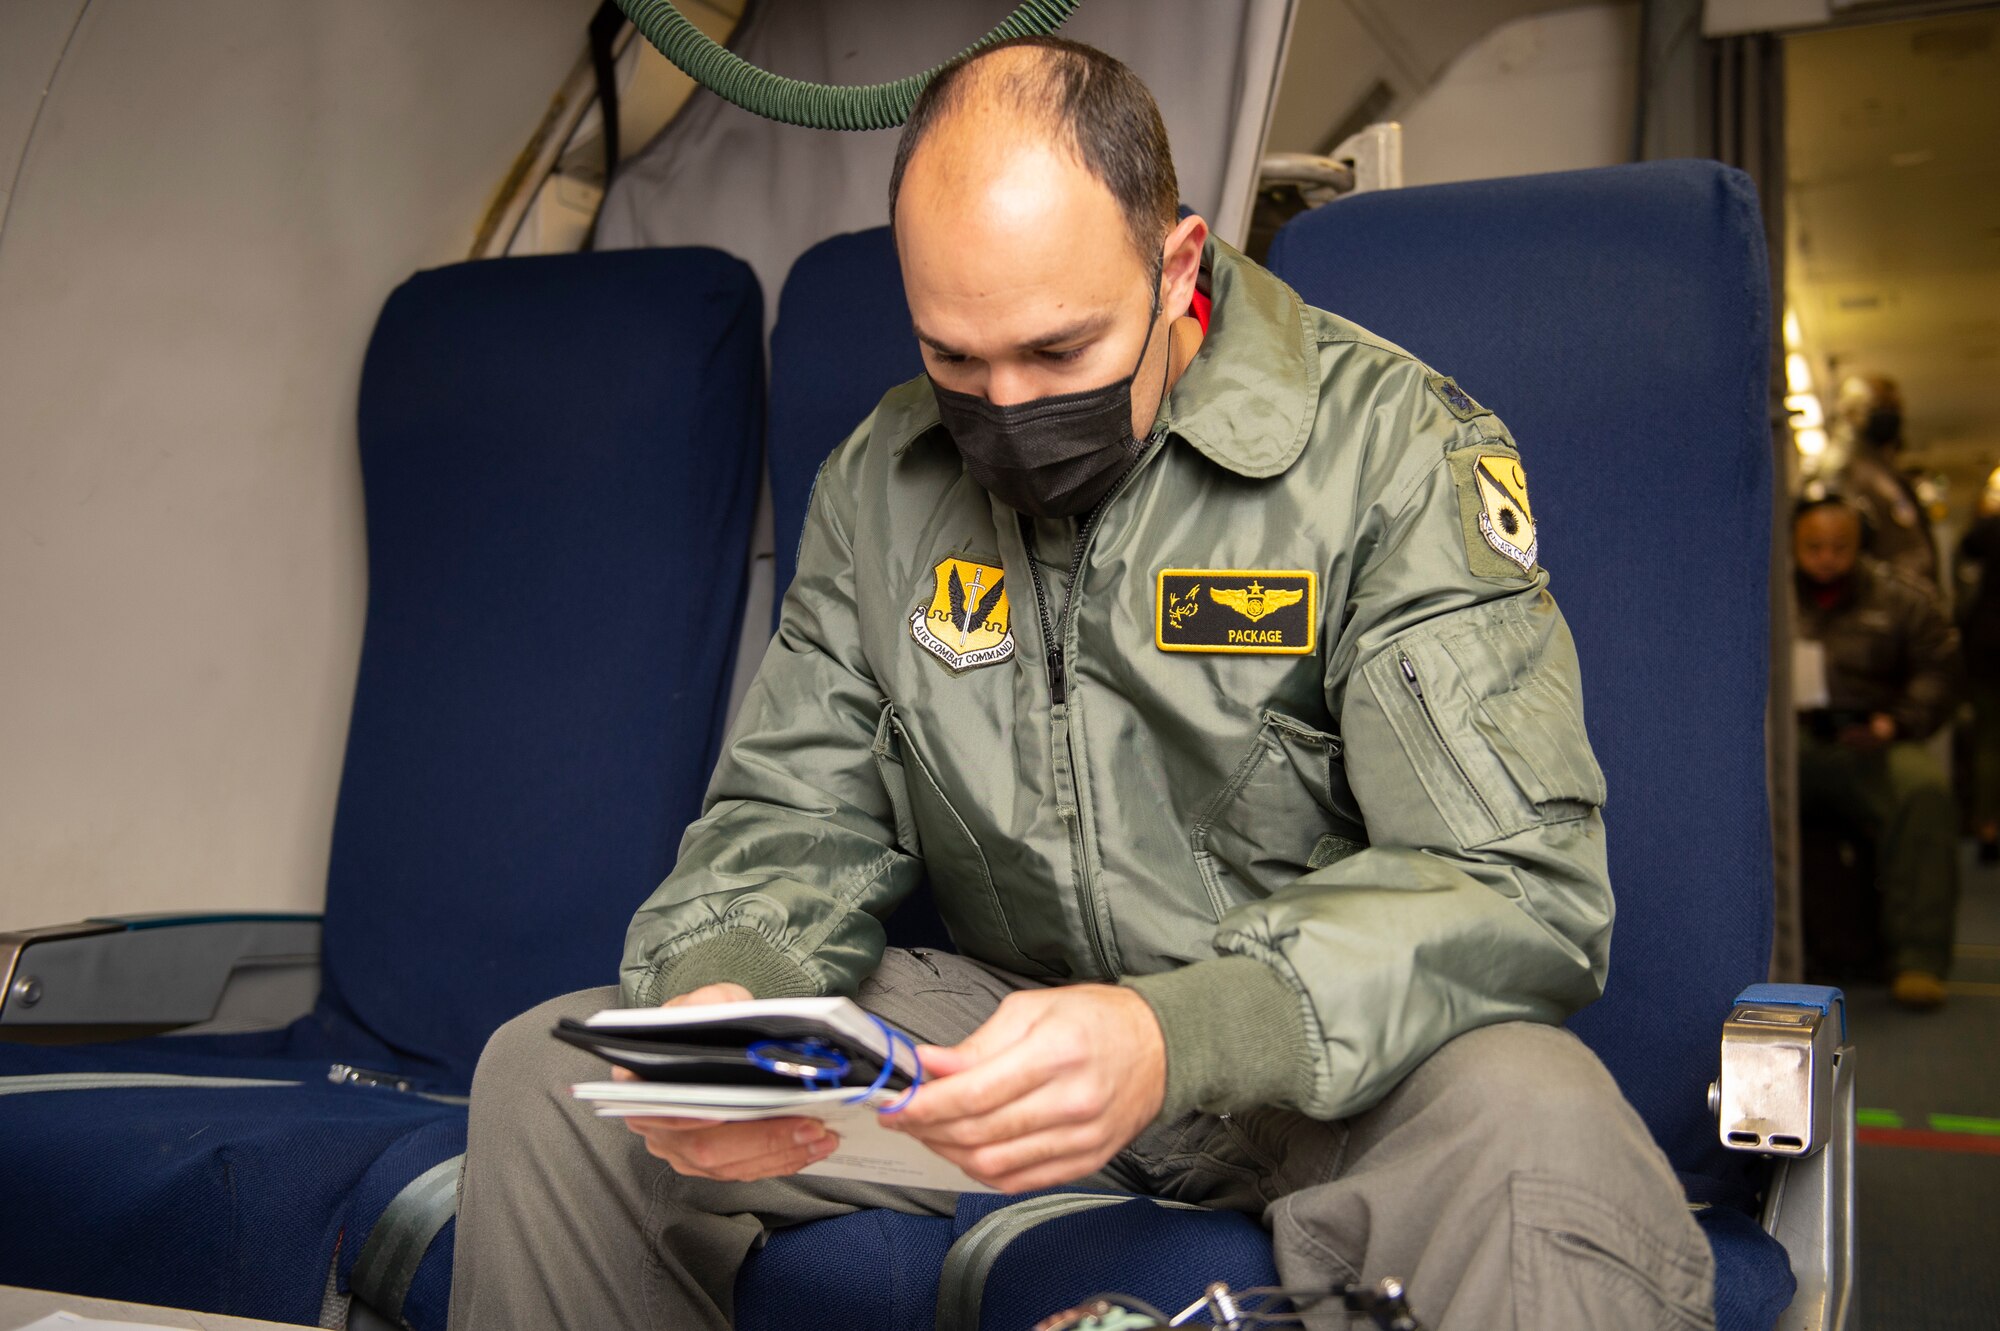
column 961, row 881
column 1580, row 1262
column 1284, row 811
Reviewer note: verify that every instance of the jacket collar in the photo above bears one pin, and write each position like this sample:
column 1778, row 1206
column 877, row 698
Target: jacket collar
column 1246, row 401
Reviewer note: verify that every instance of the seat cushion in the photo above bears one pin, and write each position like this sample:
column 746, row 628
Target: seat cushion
column 427, row 1302
column 876, row 1270
column 1165, row 1257
column 227, row 1200
column 1753, row 1276
column 869, row 1271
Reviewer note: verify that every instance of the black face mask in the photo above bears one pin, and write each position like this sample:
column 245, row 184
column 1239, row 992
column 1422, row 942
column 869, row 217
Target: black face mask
column 1051, row 457
column 1885, row 426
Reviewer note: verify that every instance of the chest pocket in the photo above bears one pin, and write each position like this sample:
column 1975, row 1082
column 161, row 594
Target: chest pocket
column 929, row 828
column 1286, row 809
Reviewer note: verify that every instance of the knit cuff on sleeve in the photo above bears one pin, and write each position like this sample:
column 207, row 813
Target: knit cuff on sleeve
column 1235, row 1036
column 738, row 956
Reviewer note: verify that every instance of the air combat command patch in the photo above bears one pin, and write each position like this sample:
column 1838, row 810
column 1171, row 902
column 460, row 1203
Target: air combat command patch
column 1236, row 610
column 1499, row 524
column 967, row 622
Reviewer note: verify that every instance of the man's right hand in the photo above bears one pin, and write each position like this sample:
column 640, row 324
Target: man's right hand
column 703, row 1148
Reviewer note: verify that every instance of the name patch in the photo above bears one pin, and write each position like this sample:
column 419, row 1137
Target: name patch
column 1273, row 611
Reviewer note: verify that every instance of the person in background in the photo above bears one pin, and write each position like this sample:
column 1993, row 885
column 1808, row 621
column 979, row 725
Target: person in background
column 1887, row 660
column 1869, row 414
column 1979, row 594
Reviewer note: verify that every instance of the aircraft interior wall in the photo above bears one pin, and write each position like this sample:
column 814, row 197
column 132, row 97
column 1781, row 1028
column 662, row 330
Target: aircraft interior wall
column 216, row 198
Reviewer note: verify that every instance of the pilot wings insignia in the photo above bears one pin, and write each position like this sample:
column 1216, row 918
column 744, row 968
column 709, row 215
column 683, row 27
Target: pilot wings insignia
column 966, row 622
column 1274, row 615
column 1255, row 601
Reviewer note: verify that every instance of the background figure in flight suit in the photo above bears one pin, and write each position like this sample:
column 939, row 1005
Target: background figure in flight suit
column 1979, row 625
column 1891, row 665
column 1869, row 415
column 1211, row 678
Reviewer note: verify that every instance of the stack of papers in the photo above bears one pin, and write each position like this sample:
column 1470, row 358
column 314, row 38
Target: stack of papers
column 696, row 1063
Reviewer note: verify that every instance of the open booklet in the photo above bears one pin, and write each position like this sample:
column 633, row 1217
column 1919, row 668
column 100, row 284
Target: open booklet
column 822, row 1058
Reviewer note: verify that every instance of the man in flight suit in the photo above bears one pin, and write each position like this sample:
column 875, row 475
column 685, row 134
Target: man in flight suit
column 1193, row 644
column 1890, row 664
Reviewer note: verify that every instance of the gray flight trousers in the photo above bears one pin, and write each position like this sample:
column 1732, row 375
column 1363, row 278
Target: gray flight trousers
column 1899, row 796
column 1506, row 1181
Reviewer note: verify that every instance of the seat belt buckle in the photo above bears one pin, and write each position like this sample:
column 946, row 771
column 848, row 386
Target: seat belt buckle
column 346, row 1074
column 1780, row 1046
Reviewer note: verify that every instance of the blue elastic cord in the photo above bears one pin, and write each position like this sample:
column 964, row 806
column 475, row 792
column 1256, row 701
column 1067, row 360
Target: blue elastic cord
column 890, row 1036
column 768, row 1054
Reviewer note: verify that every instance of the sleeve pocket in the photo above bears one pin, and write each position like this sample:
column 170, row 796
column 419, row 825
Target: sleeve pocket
column 1539, row 737
column 1487, row 711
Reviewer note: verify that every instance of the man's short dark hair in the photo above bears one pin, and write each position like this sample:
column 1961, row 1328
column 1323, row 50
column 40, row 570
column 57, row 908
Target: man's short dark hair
column 1091, row 101
column 1815, row 500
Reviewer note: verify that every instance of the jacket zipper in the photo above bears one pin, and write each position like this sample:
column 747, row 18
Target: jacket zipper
column 1053, row 635
column 1424, row 705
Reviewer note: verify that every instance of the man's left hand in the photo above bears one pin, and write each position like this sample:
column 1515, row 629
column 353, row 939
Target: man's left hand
column 1052, row 1086
column 1879, row 733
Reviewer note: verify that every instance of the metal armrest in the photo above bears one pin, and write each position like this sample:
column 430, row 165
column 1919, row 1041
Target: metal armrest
column 132, row 975
column 1787, row 1091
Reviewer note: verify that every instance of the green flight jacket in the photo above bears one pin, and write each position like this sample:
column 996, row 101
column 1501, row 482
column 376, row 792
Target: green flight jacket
column 1317, row 865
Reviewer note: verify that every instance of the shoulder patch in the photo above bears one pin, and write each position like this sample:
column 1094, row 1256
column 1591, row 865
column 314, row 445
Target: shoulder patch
column 1456, row 400
column 1272, row 611
column 1499, row 524
column 966, row 622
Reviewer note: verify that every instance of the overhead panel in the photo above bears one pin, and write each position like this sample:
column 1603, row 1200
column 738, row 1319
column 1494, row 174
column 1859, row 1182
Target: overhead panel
column 1347, row 53
column 1894, row 220
column 766, row 192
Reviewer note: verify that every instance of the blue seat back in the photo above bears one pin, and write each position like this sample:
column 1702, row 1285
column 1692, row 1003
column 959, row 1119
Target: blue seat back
column 843, row 339
column 559, row 456
column 1618, row 320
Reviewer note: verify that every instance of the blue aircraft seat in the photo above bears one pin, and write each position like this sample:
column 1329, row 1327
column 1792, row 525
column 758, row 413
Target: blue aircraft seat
column 1618, row 321
column 559, row 457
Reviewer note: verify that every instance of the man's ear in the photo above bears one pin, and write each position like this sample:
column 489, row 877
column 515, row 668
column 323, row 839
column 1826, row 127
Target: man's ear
column 1182, row 264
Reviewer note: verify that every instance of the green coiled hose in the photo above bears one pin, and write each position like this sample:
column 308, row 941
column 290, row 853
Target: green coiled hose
column 813, row 105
